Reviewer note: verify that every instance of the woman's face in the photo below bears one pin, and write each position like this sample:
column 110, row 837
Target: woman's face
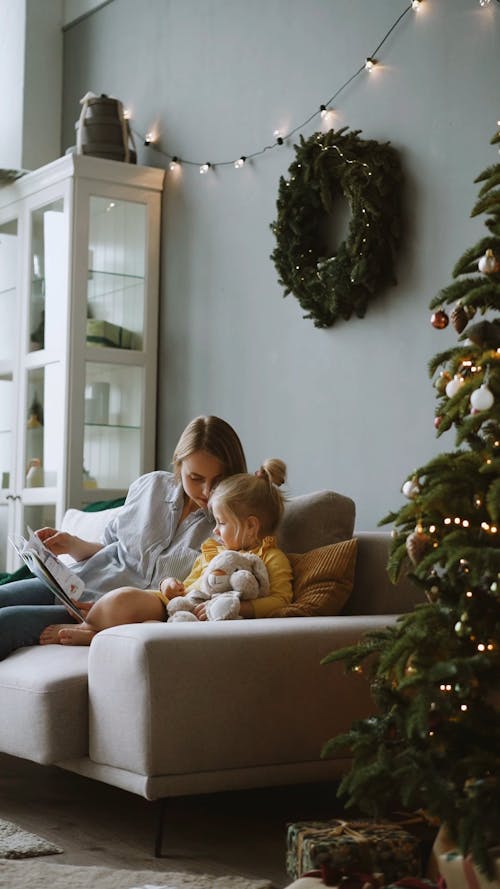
column 200, row 473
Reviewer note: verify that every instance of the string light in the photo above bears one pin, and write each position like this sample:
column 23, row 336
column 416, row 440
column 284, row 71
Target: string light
column 326, row 113
column 240, row 162
column 370, row 63
column 279, row 136
column 174, row 164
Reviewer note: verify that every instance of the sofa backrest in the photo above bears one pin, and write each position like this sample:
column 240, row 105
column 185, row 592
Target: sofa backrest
column 373, row 591
column 317, row 519
column 309, row 521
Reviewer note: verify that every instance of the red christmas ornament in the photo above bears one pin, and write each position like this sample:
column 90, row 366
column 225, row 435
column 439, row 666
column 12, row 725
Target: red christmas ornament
column 437, row 422
column 440, row 320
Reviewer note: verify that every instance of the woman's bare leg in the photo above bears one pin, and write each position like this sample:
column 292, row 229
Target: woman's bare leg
column 125, row 605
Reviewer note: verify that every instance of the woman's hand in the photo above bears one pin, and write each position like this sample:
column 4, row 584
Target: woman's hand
column 60, row 542
column 171, row 587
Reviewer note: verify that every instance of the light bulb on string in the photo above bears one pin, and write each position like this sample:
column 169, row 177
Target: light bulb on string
column 205, row 168
column 415, row 4
column 148, row 139
column 240, row 162
column 174, row 164
column 370, row 63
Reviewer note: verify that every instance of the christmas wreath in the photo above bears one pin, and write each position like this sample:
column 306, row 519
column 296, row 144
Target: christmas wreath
column 368, row 175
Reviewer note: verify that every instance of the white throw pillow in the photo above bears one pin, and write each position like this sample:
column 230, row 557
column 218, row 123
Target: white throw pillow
column 87, row 525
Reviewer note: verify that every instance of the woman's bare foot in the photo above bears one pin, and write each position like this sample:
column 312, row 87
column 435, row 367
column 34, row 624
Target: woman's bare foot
column 50, row 635
column 69, row 635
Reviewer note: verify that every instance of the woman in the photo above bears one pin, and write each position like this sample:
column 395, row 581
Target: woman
column 158, row 532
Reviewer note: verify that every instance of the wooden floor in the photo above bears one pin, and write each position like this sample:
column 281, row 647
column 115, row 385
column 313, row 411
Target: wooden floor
column 241, row 832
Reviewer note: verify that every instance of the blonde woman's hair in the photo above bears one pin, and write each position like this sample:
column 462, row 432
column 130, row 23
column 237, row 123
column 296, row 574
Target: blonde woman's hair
column 259, row 495
column 215, row 437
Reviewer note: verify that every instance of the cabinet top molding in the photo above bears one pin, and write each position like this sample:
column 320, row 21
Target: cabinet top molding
column 84, row 167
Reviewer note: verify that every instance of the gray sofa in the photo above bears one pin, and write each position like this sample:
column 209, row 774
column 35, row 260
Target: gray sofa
column 170, row 709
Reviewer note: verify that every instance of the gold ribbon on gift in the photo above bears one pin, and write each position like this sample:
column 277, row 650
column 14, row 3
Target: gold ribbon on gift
column 336, row 828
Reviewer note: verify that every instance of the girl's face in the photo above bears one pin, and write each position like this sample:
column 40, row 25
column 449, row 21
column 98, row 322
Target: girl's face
column 235, row 533
column 230, row 532
column 200, row 473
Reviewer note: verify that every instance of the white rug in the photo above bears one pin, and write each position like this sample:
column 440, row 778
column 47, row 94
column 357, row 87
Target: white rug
column 18, row 843
column 44, row 875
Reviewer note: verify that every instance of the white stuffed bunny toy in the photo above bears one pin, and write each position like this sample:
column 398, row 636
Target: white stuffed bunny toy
column 230, row 577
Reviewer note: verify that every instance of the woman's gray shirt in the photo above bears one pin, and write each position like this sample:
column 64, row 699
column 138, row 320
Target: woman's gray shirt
column 144, row 543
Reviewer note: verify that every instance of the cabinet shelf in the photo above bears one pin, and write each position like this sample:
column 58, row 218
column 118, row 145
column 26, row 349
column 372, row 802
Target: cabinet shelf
column 116, row 426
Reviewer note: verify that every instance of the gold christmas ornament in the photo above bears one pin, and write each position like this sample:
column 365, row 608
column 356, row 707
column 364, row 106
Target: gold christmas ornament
column 459, row 318
column 417, row 545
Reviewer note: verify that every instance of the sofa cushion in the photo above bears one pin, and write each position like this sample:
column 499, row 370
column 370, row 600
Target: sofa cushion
column 313, row 520
column 322, row 580
column 44, row 702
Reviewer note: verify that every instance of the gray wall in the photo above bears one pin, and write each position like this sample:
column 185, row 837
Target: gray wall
column 351, row 407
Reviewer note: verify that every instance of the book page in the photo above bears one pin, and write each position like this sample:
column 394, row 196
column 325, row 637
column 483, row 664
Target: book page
column 72, row 585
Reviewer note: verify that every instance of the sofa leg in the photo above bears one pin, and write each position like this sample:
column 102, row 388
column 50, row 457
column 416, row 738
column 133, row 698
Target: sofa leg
column 162, row 805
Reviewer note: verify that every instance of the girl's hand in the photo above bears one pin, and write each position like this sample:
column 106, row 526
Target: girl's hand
column 60, row 542
column 200, row 612
column 171, row 587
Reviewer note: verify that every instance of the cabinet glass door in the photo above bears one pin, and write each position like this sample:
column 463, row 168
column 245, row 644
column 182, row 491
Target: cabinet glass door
column 48, row 276
column 44, row 430
column 9, row 304
column 112, row 425
column 114, row 376
column 116, row 273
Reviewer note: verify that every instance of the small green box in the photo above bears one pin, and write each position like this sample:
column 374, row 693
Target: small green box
column 103, row 333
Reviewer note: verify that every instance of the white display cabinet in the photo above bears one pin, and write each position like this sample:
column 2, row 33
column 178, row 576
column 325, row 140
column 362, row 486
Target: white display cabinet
column 79, row 276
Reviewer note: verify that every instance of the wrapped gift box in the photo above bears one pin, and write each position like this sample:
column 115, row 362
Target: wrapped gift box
column 349, row 846
column 103, row 333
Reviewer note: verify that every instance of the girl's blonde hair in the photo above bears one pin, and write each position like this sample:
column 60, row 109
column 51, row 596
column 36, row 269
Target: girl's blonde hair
column 244, row 494
column 216, row 437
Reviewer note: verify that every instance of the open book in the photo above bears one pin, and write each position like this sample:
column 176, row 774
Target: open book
column 65, row 585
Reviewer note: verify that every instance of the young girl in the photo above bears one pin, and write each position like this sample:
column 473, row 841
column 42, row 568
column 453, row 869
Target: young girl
column 247, row 510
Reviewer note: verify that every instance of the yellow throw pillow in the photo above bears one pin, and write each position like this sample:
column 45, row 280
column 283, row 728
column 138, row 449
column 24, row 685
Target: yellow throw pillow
column 322, row 580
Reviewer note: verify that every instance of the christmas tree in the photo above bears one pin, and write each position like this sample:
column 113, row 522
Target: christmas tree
column 435, row 741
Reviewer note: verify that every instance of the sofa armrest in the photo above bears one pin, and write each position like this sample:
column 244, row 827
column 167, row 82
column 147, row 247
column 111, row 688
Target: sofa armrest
column 373, row 591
